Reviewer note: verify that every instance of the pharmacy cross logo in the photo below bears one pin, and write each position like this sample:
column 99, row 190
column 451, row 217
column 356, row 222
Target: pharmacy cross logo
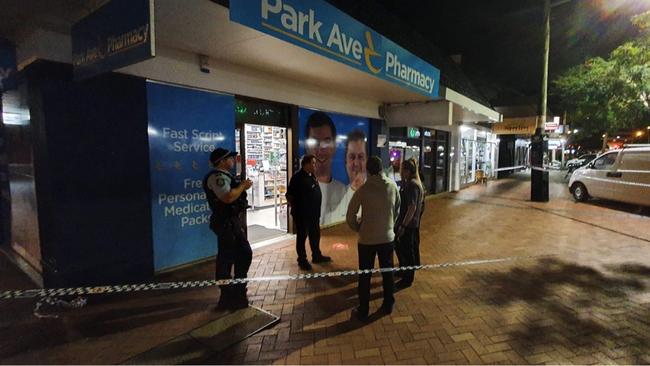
column 368, row 52
column 320, row 27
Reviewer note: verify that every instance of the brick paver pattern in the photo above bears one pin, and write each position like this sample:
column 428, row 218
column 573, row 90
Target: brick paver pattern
column 586, row 303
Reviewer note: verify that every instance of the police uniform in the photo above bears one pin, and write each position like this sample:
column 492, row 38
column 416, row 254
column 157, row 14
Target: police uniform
column 227, row 223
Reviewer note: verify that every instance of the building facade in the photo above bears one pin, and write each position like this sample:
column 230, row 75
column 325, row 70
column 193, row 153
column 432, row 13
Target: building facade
column 114, row 162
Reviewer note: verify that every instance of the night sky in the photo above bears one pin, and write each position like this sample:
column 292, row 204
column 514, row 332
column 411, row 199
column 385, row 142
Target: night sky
column 501, row 40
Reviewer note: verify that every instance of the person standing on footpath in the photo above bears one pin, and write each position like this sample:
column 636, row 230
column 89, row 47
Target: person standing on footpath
column 424, row 194
column 226, row 195
column 407, row 244
column 379, row 202
column 304, row 197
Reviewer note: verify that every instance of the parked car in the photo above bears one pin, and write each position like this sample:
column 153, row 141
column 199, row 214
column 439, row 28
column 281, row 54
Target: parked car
column 555, row 164
column 582, row 160
column 619, row 175
column 578, row 162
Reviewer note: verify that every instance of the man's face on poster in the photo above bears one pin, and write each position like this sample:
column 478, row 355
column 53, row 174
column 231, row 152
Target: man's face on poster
column 322, row 144
column 355, row 163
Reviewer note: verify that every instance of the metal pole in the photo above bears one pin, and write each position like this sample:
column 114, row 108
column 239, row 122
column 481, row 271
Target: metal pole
column 547, row 46
column 539, row 179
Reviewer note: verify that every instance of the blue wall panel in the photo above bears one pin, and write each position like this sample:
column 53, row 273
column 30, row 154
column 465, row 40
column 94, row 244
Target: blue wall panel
column 92, row 176
column 185, row 125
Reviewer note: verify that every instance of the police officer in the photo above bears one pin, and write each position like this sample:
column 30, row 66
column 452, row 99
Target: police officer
column 226, row 195
column 305, row 198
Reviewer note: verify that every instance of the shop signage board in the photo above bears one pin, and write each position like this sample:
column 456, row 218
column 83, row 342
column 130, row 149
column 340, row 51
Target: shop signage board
column 413, row 132
column 185, row 125
column 551, row 126
column 515, row 126
column 321, row 28
column 554, row 143
column 118, row 34
column 7, row 66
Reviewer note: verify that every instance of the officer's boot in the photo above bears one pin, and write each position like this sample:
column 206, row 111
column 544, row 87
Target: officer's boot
column 225, row 298
column 240, row 298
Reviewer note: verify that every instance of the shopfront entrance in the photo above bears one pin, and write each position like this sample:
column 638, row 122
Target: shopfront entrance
column 440, row 178
column 405, row 143
column 261, row 136
column 479, row 151
column 431, row 150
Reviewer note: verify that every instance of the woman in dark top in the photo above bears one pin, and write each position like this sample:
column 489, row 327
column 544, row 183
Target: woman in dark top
column 424, row 193
column 408, row 223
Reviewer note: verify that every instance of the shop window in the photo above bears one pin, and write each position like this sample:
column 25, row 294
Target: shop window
column 24, row 235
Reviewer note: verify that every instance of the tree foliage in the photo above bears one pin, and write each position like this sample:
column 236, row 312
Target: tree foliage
column 606, row 95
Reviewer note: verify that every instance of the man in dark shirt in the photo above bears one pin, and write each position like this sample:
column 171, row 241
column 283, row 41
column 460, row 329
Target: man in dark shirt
column 305, row 197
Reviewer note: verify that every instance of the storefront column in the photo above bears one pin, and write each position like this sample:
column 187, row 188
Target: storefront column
column 5, row 196
column 474, row 152
column 454, row 160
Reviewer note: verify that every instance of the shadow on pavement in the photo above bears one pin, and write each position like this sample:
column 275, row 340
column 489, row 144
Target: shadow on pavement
column 573, row 308
column 96, row 321
column 620, row 206
column 320, row 308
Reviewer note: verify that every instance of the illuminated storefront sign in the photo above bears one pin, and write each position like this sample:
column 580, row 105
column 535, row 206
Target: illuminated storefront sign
column 515, row 126
column 118, row 34
column 321, row 28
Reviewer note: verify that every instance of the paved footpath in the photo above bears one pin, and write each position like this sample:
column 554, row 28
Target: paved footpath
column 586, row 301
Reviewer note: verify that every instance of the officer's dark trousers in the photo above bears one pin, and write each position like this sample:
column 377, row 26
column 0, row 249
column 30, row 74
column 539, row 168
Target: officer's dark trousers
column 307, row 226
column 367, row 255
column 408, row 252
column 234, row 251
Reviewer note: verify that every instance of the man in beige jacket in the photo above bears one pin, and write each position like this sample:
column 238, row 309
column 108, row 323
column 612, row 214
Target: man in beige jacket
column 379, row 201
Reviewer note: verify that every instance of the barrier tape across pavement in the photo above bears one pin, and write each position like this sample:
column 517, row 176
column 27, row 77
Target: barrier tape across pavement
column 96, row 290
column 511, row 168
column 543, row 169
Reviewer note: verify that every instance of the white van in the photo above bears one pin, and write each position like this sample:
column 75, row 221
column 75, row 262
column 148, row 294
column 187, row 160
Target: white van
column 619, row 175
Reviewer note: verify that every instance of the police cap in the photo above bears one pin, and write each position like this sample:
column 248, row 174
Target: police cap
column 219, row 154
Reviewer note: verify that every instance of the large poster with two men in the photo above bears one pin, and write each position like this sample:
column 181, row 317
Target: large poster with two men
column 340, row 144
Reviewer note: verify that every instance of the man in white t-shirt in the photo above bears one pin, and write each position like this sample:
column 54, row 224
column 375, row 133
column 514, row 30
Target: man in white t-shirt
column 321, row 142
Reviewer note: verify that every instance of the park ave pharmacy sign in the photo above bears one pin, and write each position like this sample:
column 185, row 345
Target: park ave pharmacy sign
column 321, row 28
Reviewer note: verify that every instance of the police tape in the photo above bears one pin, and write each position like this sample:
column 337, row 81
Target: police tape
column 76, row 303
column 543, row 169
column 511, row 168
column 96, row 290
